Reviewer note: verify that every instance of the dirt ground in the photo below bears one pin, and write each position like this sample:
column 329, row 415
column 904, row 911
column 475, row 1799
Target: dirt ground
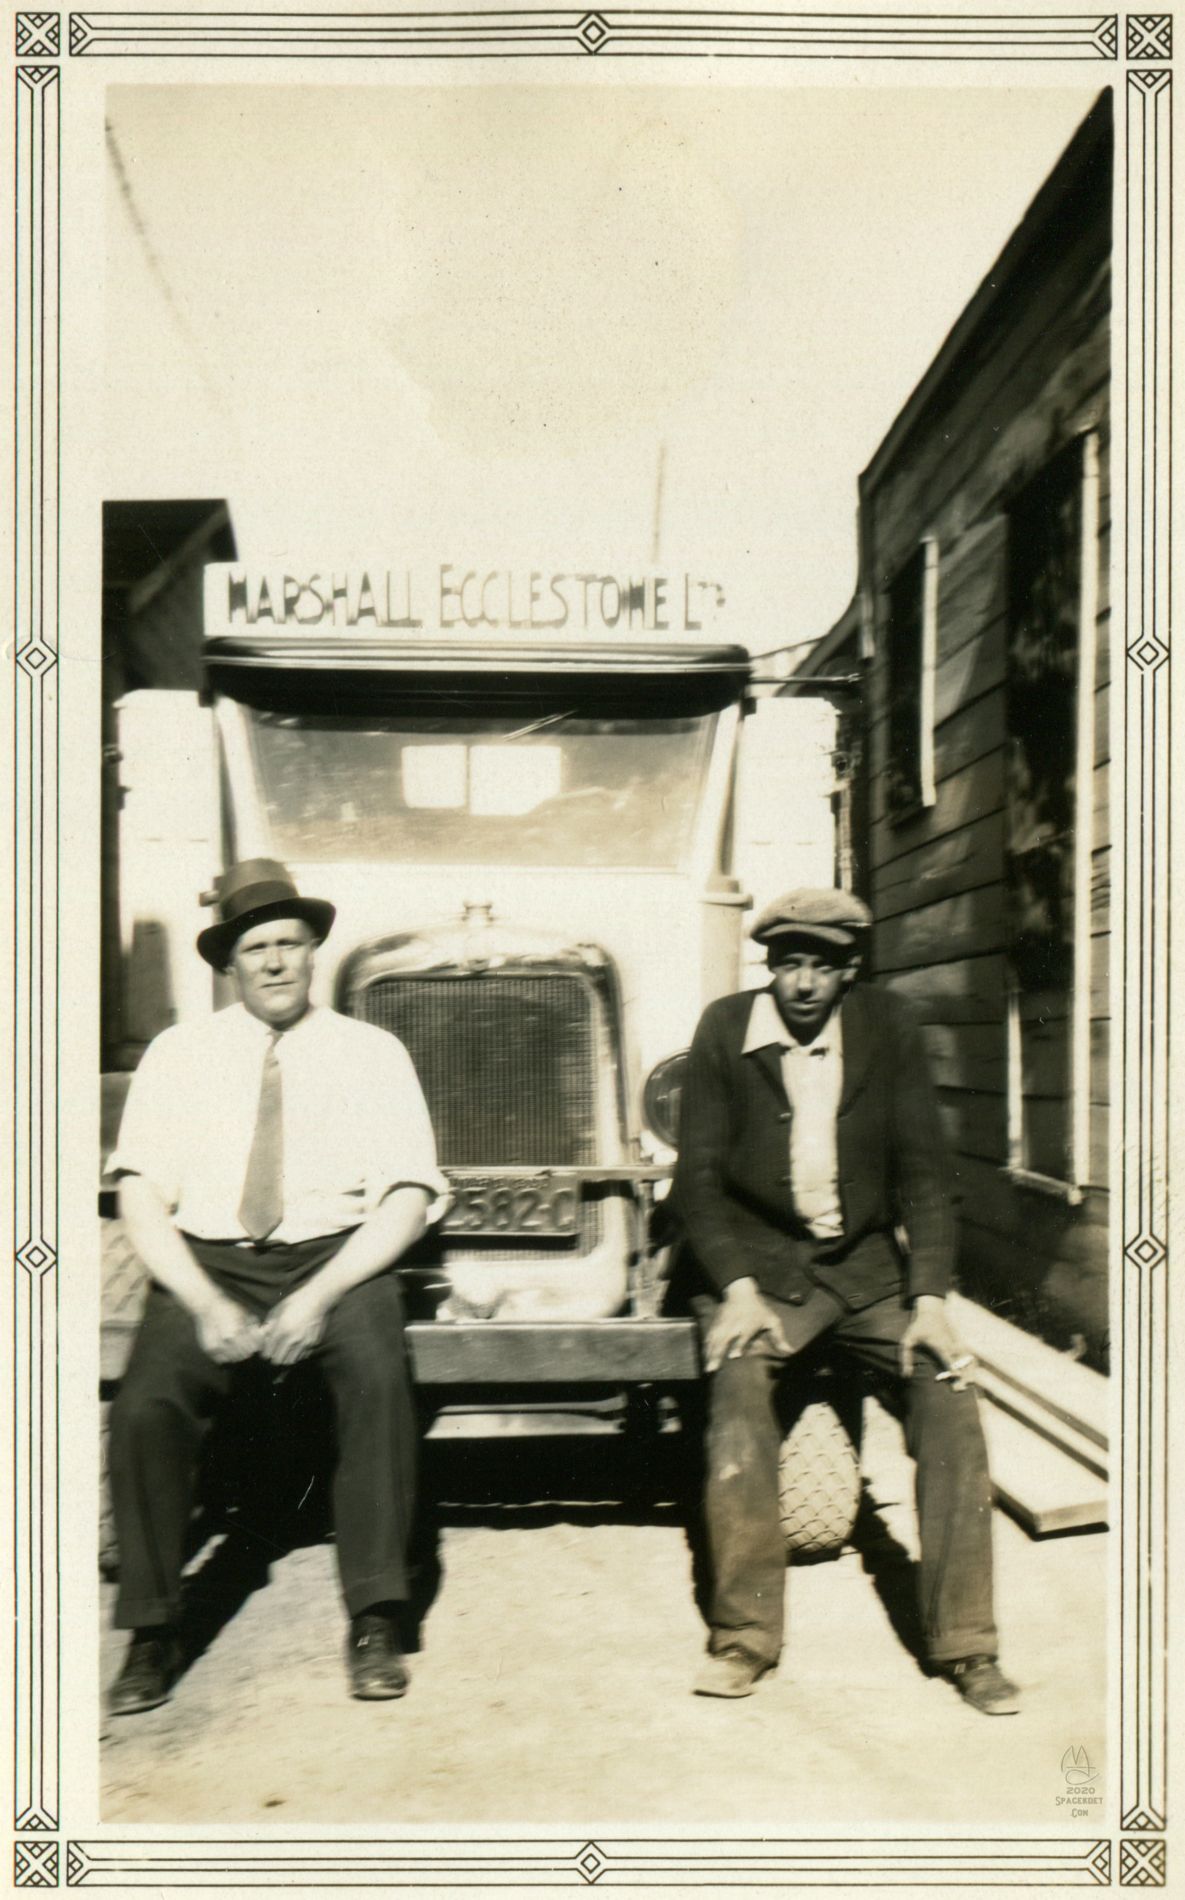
column 551, row 1682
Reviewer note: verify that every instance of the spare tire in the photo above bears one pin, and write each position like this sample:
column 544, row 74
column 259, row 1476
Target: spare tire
column 819, row 1467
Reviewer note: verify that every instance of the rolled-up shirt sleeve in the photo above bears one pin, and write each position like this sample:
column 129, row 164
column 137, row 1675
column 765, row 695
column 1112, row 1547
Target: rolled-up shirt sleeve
column 403, row 1153
column 149, row 1141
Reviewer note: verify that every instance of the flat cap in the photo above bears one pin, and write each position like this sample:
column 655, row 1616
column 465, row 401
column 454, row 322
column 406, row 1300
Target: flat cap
column 830, row 916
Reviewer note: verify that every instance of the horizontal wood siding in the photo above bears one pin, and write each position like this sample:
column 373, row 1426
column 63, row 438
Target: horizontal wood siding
column 1036, row 376
column 961, row 861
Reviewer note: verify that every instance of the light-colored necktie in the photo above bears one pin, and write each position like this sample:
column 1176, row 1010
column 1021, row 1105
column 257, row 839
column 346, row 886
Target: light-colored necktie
column 262, row 1206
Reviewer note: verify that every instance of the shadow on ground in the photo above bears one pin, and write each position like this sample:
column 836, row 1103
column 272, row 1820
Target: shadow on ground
column 266, row 1486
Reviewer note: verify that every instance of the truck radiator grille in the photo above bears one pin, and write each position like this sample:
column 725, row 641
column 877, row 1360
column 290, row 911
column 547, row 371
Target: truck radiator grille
column 507, row 1063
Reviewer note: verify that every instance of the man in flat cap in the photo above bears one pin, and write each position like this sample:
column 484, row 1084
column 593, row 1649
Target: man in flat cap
column 275, row 1160
column 813, row 1191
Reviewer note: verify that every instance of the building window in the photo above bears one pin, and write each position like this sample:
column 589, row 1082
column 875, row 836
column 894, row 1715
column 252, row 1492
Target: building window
column 911, row 641
column 1049, row 710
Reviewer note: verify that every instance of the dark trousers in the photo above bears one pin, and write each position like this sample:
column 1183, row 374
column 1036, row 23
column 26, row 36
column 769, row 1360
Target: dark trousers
column 172, row 1391
column 943, row 1435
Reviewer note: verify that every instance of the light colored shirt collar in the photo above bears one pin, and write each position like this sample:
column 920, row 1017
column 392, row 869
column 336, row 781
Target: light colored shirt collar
column 766, row 1027
column 245, row 1024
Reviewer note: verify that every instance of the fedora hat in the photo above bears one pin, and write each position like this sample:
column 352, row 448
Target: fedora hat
column 251, row 892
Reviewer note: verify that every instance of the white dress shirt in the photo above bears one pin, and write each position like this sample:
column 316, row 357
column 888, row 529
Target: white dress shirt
column 812, row 1074
column 355, row 1123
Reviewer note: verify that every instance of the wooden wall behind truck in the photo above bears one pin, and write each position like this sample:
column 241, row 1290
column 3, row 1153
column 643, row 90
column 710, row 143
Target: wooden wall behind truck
column 1034, row 377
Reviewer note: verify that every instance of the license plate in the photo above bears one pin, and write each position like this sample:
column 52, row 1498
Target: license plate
column 544, row 1205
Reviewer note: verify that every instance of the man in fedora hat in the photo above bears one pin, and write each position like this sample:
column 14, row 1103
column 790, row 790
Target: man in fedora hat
column 813, row 1191
column 275, row 1160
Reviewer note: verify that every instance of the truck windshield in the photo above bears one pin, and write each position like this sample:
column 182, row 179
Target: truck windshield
column 435, row 788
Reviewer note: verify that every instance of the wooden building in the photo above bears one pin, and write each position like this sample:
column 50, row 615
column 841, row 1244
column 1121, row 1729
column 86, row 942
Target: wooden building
column 982, row 622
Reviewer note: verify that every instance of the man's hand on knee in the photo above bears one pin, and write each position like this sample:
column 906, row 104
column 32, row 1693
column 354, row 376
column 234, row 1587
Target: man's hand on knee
column 294, row 1326
column 226, row 1331
column 744, row 1320
column 931, row 1331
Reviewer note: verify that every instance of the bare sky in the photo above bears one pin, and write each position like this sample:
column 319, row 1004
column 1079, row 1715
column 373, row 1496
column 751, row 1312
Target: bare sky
column 464, row 322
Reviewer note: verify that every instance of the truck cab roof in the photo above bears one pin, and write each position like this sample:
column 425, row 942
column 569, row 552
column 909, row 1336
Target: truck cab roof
column 370, row 654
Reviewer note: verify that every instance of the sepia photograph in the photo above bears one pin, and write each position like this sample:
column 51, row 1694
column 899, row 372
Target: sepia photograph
column 579, row 560
column 615, row 1100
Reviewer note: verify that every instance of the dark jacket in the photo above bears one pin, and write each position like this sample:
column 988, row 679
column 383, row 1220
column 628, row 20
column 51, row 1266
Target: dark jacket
column 732, row 1182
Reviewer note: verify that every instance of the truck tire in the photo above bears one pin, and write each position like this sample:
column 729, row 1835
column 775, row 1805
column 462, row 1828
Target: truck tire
column 819, row 1469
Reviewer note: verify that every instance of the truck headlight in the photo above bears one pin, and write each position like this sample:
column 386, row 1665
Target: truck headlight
column 661, row 1095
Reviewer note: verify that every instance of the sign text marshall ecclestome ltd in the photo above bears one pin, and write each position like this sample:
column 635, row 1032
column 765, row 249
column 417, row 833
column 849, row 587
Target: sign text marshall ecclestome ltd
column 452, row 598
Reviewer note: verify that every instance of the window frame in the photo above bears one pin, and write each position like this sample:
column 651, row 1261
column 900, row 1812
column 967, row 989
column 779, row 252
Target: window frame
column 1072, row 1186
column 927, row 550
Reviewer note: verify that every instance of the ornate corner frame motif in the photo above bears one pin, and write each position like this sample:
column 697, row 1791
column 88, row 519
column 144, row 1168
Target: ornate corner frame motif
column 1141, row 45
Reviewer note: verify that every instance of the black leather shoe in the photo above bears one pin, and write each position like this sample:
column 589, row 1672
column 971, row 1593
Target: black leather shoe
column 150, row 1668
column 374, row 1658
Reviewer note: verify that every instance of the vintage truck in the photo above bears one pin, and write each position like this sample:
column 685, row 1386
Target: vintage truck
column 543, row 842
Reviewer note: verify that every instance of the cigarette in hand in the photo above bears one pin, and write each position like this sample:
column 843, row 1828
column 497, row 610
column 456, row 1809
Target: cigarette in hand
column 956, row 1367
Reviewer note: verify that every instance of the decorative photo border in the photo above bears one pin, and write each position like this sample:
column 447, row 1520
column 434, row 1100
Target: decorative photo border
column 43, row 1853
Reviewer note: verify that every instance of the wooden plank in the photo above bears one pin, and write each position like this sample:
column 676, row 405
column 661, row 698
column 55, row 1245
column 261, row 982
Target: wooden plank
column 963, row 482
column 962, row 798
column 1102, row 669
column 972, row 582
column 963, row 860
column 975, row 1124
column 1100, row 1145
column 972, row 671
column 1104, row 567
column 969, row 671
column 1100, row 1061
column 1065, row 1387
column 969, row 734
column 967, row 1055
column 1101, row 805
column 1036, row 1418
column 1100, row 891
column 1102, row 723
column 967, row 925
column 1041, row 1486
column 1052, row 361
column 1100, row 976
column 970, row 990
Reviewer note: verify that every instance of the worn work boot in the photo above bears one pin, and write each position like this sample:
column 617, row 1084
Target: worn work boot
column 730, row 1672
column 981, row 1682
column 150, row 1668
column 374, row 1658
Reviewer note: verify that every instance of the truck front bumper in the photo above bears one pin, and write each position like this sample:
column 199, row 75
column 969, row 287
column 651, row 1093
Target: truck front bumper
column 553, row 1352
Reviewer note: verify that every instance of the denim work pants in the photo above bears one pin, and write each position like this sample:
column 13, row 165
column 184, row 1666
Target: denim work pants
column 943, row 1436
column 172, row 1390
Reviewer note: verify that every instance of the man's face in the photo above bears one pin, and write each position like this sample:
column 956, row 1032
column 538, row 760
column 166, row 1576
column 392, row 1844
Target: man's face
column 272, row 965
column 808, row 980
